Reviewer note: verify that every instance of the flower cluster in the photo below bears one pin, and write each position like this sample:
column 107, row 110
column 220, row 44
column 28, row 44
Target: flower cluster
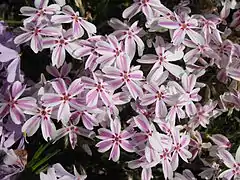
column 162, row 80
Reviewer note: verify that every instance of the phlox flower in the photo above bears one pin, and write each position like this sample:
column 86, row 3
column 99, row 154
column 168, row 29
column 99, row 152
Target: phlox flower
column 98, row 89
column 62, row 73
column 41, row 116
column 179, row 148
column 130, row 35
column 200, row 49
column 12, row 57
column 60, row 44
column 221, row 141
column 183, row 25
column 231, row 163
column 86, row 114
column 204, row 113
column 88, row 48
column 158, row 95
column 34, row 32
column 209, row 27
column 111, row 51
column 12, row 164
column 176, row 110
column 40, row 12
column 114, row 138
column 147, row 128
column 189, row 94
column 146, row 111
column 72, row 131
column 196, row 144
column 62, row 173
column 163, row 59
column 124, row 75
column 78, row 23
column 150, row 8
column 162, row 144
column 63, row 99
column 12, row 104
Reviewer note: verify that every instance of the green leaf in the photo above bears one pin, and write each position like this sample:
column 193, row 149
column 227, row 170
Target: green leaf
column 45, row 159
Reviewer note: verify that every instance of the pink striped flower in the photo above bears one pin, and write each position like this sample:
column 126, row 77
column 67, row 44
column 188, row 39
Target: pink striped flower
column 145, row 110
column 34, row 33
column 88, row 48
column 72, row 131
column 78, row 23
column 221, row 141
column 158, row 96
column 204, row 113
column 231, row 163
column 180, row 144
column 188, row 93
column 201, row 49
column 98, row 89
column 63, row 174
column 86, row 114
column 146, row 128
column 163, row 146
column 130, row 35
column 41, row 116
column 113, row 139
column 40, row 12
column 64, row 98
column 13, row 105
column 184, row 25
column 63, row 73
column 197, row 144
column 176, row 110
column 209, row 27
column 124, row 75
column 111, row 51
column 150, row 8
column 163, row 59
column 64, row 42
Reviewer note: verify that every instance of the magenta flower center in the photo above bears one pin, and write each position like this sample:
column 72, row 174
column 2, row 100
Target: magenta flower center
column 36, row 31
column 65, row 97
column 159, row 95
column 177, row 147
column 117, row 139
column 100, row 87
column 117, row 51
column 12, row 103
column 145, row 2
column 184, row 26
column 75, row 18
column 125, row 76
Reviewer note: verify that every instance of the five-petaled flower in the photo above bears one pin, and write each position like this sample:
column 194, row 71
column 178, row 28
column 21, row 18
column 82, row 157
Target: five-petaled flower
column 11, row 103
column 113, row 139
column 41, row 115
column 64, row 99
column 231, row 163
column 78, row 23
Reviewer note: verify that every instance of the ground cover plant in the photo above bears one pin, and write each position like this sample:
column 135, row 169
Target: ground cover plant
column 119, row 90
